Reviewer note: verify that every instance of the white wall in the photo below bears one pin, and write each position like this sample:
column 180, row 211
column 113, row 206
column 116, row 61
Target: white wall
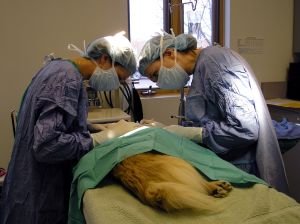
column 31, row 29
column 271, row 21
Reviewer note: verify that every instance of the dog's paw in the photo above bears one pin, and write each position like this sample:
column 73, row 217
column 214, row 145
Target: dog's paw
column 225, row 185
column 219, row 192
column 221, row 188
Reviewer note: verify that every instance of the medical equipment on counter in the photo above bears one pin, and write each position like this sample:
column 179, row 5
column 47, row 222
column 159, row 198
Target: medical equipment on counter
column 148, row 92
column 123, row 102
column 93, row 98
column 182, row 120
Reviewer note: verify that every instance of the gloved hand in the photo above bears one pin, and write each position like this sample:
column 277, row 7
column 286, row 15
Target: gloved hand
column 95, row 127
column 192, row 133
column 113, row 130
column 151, row 123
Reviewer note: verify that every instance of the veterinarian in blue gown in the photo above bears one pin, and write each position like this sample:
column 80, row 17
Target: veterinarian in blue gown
column 52, row 133
column 224, row 103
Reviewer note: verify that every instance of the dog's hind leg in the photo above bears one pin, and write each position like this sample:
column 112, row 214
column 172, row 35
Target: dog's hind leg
column 171, row 196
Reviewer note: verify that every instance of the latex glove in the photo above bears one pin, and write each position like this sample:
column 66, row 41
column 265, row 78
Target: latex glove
column 114, row 130
column 192, row 133
column 95, row 127
column 122, row 127
column 151, row 123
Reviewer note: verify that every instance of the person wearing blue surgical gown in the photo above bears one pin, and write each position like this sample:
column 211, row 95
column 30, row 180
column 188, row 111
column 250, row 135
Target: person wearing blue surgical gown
column 224, row 105
column 52, row 132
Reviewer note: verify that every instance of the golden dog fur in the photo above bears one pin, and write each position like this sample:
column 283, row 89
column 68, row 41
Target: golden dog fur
column 169, row 183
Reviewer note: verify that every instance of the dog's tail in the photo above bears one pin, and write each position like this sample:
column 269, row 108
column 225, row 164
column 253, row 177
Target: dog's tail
column 171, row 196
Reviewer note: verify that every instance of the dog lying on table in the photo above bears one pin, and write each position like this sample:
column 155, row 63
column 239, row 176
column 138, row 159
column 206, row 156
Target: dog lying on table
column 163, row 181
column 169, row 183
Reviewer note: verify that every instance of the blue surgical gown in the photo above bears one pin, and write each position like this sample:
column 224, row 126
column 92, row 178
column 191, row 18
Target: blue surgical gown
column 51, row 137
column 225, row 100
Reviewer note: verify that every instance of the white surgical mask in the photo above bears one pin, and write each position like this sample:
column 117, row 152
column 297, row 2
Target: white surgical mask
column 171, row 78
column 104, row 80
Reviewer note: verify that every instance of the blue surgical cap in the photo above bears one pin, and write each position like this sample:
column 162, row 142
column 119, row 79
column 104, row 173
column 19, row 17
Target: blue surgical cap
column 151, row 50
column 117, row 47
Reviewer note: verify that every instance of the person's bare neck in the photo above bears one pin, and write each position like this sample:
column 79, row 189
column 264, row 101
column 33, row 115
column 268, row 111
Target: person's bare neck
column 86, row 67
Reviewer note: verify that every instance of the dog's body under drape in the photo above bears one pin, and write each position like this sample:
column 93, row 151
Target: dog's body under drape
column 94, row 166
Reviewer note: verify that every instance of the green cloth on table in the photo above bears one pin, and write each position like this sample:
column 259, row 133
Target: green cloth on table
column 95, row 165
